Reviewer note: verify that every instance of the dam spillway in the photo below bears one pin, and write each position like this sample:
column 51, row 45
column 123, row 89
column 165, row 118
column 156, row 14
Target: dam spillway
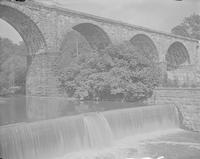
column 55, row 138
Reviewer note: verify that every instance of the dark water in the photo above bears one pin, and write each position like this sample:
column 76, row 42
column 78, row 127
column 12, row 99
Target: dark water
column 15, row 109
column 12, row 110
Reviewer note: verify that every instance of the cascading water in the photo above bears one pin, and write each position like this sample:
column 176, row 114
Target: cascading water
column 97, row 131
column 56, row 138
column 130, row 122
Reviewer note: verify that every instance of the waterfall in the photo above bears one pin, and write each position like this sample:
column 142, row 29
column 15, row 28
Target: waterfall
column 140, row 120
column 98, row 131
column 55, row 138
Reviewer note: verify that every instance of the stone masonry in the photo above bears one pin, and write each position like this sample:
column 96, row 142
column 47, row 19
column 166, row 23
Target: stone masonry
column 187, row 100
column 44, row 28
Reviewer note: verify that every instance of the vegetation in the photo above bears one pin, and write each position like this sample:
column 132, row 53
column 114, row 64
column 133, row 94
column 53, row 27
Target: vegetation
column 176, row 82
column 73, row 45
column 118, row 72
column 12, row 67
column 190, row 27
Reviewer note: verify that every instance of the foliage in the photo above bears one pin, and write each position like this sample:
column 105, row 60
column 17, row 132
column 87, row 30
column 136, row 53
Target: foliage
column 13, row 65
column 73, row 45
column 190, row 27
column 119, row 71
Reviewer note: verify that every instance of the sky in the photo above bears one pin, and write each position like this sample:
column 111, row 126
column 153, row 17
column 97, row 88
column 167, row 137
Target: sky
column 161, row 15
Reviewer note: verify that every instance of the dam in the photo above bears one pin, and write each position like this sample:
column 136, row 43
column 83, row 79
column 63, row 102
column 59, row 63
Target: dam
column 86, row 134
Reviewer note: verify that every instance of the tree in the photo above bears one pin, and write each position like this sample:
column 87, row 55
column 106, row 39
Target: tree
column 13, row 64
column 190, row 27
column 118, row 72
column 73, row 45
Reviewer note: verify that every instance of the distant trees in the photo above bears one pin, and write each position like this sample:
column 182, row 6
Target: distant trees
column 118, row 72
column 190, row 27
column 13, row 65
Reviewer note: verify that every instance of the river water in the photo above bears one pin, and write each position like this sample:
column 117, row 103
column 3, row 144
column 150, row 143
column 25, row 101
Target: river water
column 106, row 135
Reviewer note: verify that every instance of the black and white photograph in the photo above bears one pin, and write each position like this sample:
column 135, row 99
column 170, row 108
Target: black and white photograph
column 99, row 79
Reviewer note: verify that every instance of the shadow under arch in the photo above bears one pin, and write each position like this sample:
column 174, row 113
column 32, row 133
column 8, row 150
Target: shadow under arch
column 146, row 45
column 96, row 37
column 177, row 54
column 27, row 29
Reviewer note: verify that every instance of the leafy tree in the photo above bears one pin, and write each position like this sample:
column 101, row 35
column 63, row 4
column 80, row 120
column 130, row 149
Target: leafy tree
column 1, row 48
column 13, row 64
column 190, row 27
column 3, row 80
column 73, row 45
column 119, row 71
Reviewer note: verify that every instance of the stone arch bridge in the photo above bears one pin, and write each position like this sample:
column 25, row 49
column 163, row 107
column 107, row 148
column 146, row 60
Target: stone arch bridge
column 44, row 29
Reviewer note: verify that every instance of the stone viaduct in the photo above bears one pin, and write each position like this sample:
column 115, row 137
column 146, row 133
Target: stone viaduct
column 44, row 29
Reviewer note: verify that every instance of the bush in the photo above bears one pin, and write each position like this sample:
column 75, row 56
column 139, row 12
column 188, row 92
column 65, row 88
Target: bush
column 118, row 72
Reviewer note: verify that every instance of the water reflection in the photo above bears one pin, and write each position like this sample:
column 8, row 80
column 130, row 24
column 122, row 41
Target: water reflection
column 20, row 108
column 12, row 109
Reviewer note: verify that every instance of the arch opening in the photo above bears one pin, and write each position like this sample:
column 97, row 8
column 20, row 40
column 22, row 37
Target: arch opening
column 73, row 45
column 96, row 37
column 15, row 67
column 29, row 32
column 177, row 55
column 27, row 29
column 146, row 46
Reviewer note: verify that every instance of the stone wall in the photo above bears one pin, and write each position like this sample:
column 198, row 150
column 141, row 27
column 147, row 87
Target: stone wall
column 187, row 101
column 42, row 76
column 49, row 26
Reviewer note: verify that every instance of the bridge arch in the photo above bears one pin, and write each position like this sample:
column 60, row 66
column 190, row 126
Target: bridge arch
column 96, row 36
column 34, row 42
column 177, row 54
column 73, row 45
column 27, row 29
column 145, row 44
